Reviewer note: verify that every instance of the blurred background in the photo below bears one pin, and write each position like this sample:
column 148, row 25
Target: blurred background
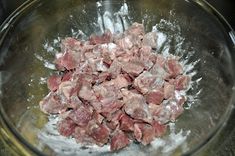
column 225, row 7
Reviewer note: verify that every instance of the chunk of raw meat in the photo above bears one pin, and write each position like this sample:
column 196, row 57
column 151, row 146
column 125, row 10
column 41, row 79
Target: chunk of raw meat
column 126, row 123
column 169, row 111
column 146, row 82
column 81, row 116
column 111, row 107
column 135, row 106
column 74, row 102
column 125, row 43
column 115, row 68
column 119, row 141
column 133, row 67
column 99, row 118
column 51, row 104
column 66, row 127
column 147, row 57
column 159, row 71
column 182, row 82
column 173, row 67
column 169, row 90
column 53, row 82
column 100, row 133
column 159, row 129
column 144, row 133
column 86, row 93
column 68, row 60
column 160, row 60
column 121, row 81
column 70, row 43
column 66, row 88
column 67, row 76
column 81, row 135
column 105, row 38
column 150, row 39
column 155, row 97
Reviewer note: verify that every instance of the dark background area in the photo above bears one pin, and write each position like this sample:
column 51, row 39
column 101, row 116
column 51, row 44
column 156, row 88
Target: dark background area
column 227, row 9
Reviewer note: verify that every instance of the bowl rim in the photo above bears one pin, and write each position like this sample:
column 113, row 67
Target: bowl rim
column 21, row 143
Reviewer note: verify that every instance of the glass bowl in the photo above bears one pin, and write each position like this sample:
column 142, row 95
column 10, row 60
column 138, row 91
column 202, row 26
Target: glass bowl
column 191, row 29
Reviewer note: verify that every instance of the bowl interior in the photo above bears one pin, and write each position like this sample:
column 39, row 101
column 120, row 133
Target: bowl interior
column 32, row 40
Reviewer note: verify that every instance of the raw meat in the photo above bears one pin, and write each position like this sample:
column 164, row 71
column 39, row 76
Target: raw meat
column 115, row 88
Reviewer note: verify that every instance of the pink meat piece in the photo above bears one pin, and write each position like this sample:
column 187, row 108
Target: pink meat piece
column 105, row 38
column 52, row 104
column 69, row 60
column 81, row 116
column 182, row 82
column 66, row 127
column 159, row 129
column 53, row 82
column 137, row 132
column 110, row 107
column 66, row 88
column 97, row 65
column 146, row 56
column 100, row 133
column 67, row 76
column 115, row 68
column 126, row 123
column 162, row 114
column 150, row 39
column 135, row 106
column 80, row 134
column 113, row 119
column 176, row 111
column 119, row 141
column 169, row 111
column 102, row 91
column 89, row 55
column 160, row 60
column 121, row 82
column 133, row 67
column 154, row 109
column 87, row 93
column 155, row 97
column 102, row 77
column 144, row 133
column 74, row 102
column 146, row 82
column 159, row 71
column 173, row 67
column 169, row 90
column 125, row 43
column 98, row 118
column 126, row 56
column 70, row 43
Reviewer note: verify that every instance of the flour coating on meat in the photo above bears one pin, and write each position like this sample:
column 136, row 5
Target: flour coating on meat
column 115, row 88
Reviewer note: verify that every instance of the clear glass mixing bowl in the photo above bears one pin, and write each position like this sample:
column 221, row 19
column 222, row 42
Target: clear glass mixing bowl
column 30, row 37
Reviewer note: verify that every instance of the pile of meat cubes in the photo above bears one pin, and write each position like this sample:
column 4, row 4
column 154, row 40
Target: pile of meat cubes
column 115, row 89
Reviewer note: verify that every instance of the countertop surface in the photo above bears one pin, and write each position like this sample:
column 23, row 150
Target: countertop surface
column 226, row 138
